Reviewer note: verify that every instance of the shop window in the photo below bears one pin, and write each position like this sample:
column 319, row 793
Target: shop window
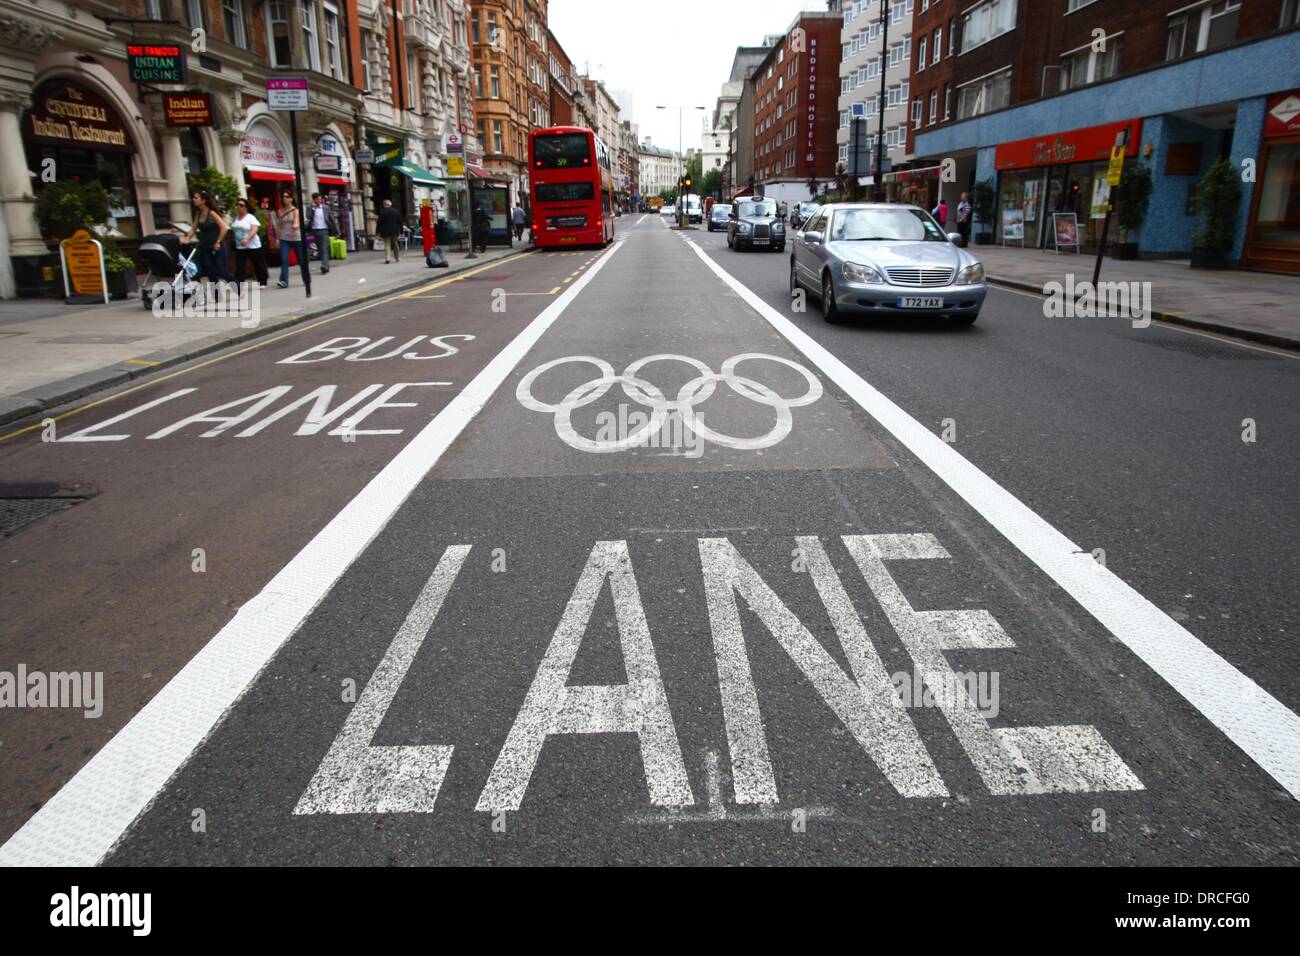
column 1278, row 218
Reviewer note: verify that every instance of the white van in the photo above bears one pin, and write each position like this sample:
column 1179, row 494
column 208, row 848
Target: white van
column 694, row 209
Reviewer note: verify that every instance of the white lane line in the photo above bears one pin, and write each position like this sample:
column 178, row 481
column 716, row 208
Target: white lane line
column 82, row 822
column 1248, row 715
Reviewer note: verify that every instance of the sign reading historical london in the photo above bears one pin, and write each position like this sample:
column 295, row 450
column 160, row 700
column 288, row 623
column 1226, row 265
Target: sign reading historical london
column 68, row 115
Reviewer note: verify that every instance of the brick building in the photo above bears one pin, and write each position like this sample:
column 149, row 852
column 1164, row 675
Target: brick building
column 1030, row 96
column 796, row 89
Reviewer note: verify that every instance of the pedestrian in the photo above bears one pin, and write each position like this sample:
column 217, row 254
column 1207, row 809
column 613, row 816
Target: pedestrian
column 290, row 238
column 940, row 212
column 248, row 246
column 389, row 228
column 964, row 212
column 521, row 220
column 211, row 230
column 324, row 224
column 482, row 225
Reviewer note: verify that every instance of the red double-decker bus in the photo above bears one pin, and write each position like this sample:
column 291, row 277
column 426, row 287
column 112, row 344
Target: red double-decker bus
column 572, row 188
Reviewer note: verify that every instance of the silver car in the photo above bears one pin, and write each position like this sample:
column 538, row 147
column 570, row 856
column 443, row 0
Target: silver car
column 885, row 259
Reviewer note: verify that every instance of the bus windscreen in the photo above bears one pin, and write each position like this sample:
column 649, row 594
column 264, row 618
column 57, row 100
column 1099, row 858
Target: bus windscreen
column 564, row 192
column 562, row 151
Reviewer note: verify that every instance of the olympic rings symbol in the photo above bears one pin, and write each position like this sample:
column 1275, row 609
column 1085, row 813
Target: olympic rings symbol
column 693, row 393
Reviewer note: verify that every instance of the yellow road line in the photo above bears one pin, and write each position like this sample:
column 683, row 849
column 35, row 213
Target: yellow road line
column 154, row 380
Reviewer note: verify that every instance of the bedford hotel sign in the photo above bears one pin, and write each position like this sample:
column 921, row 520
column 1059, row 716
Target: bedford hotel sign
column 812, row 98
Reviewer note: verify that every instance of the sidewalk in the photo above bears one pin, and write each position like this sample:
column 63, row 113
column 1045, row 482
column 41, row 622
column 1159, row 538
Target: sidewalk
column 51, row 353
column 1249, row 305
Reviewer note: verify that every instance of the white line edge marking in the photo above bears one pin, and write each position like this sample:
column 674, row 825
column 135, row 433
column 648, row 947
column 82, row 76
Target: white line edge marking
column 1248, row 715
column 82, row 823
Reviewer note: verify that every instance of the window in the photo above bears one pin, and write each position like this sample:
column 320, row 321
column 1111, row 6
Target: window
column 478, row 83
column 1072, row 5
column 232, row 18
column 934, row 106
column 495, row 84
column 309, row 40
column 952, row 36
column 917, row 107
column 1088, row 66
column 938, row 44
column 920, row 59
column 986, row 21
column 988, row 93
column 194, row 13
column 333, row 52
column 473, row 29
column 413, row 83
column 153, row 9
column 1290, row 14
column 498, row 137
column 1207, row 27
column 277, row 29
column 366, row 44
column 947, row 102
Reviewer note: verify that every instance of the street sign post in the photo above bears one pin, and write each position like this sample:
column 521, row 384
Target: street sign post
column 289, row 94
column 1114, row 172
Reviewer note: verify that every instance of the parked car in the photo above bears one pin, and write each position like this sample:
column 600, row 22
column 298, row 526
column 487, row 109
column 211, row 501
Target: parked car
column 668, row 209
column 754, row 225
column 719, row 216
column 885, row 259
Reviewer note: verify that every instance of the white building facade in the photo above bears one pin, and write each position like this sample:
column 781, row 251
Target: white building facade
column 865, row 57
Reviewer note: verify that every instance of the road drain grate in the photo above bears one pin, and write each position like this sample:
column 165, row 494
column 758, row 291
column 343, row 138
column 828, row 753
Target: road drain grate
column 21, row 505
column 1209, row 350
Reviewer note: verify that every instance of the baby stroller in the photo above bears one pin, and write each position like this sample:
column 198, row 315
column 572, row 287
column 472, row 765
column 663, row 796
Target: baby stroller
column 168, row 264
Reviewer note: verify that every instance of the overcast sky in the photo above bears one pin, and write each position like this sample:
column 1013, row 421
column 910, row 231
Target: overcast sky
column 671, row 65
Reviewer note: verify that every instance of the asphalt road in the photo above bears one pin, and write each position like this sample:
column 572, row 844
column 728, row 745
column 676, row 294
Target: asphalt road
column 516, row 632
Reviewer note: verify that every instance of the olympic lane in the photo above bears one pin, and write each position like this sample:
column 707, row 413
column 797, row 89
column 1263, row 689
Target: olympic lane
column 543, row 656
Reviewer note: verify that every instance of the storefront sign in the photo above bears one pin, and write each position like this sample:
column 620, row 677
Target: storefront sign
column 83, row 266
column 328, row 164
column 386, row 154
column 155, row 62
column 262, row 147
column 1065, row 230
column 1282, row 117
column 331, row 156
column 1086, row 145
column 364, row 157
column 188, row 109
column 286, row 93
column 65, row 114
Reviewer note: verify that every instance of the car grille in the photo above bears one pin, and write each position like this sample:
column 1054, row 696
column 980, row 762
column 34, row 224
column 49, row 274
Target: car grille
column 919, row 277
column 761, row 231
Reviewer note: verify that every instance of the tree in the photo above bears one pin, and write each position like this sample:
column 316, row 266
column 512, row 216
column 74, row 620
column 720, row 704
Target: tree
column 1218, row 198
column 225, row 189
column 1132, row 197
column 64, row 206
column 695, row 169
column 711, row 184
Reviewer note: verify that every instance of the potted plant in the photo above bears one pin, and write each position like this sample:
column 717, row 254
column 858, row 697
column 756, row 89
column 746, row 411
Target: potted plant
column 983, row 199
column 1132, row 198
column 1218, row 200
column 62, row 208
column 120, row 269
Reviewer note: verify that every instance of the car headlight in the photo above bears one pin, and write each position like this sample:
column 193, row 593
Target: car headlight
column 861, row 272
column 971, row 275
column 743, row 227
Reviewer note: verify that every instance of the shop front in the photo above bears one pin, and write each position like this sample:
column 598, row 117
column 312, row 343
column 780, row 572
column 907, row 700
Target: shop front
column 73, row 131
column 334, row 180
column 1058, row 173
column 916, row 187
column 268, row 164
column 1273, row 237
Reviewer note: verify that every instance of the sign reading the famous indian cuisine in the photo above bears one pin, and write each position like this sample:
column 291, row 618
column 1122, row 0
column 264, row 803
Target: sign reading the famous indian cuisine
column 188, row 109
column 83, row 265
column 65, row 114
column 155, row 62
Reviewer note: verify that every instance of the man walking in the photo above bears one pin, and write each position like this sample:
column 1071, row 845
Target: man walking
column 521, row 220
column 323, row 225
column 389, row 228
column 963, row 218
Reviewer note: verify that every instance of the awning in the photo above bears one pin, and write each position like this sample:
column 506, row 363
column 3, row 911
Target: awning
column 744, row 192
column 332, row 181
column 416, row 174
column 268, row 172
column 907, row 175
column 479, row 172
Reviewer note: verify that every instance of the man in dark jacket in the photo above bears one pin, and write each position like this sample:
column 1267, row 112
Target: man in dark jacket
column 389, row 228
column 482, row 225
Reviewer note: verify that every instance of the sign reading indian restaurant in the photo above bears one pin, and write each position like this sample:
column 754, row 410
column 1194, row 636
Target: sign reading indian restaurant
column 155, row 62
column 188, row 109
column 65, row 114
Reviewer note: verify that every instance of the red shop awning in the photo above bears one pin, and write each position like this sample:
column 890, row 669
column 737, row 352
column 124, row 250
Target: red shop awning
column 331, row 181
column 268, row 172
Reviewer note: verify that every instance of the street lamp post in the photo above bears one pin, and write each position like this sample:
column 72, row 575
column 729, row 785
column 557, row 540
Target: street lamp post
column 680, row 151
column 879, row 184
